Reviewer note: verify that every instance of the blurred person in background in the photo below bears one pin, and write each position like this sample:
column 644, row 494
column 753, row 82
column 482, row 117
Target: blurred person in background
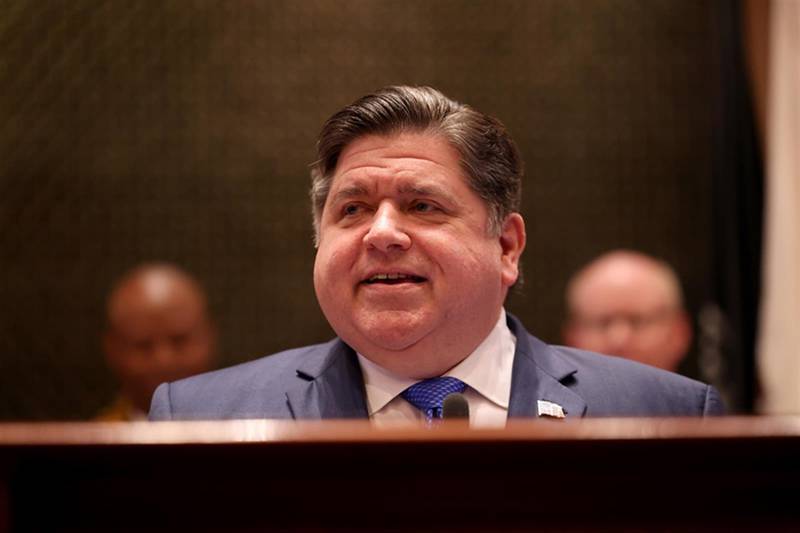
column 158, row 329
column 628, row 304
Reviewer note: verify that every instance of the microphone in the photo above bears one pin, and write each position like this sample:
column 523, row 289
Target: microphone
column 455, row 406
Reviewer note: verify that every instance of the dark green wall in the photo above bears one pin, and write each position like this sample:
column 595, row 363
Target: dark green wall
column 183, row 131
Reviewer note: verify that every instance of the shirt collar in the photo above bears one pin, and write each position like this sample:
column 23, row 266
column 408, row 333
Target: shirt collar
column 487, row 370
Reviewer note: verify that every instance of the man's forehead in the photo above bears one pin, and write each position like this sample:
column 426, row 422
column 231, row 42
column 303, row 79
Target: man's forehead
column 410, row 163
column 381, row 151
column 155, row 299
column 620, row 292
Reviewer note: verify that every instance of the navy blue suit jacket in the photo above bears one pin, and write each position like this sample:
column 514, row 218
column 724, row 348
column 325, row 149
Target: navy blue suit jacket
column 325, row 381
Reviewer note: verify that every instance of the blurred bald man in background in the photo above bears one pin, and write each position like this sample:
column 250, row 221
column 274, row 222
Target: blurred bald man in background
column 628, row 304
column 158, row 330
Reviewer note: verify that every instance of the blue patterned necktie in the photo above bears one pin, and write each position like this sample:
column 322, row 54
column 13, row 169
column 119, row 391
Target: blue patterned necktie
column 428, row 395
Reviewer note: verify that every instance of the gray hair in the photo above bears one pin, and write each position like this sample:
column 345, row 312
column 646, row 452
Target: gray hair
column 489, row 157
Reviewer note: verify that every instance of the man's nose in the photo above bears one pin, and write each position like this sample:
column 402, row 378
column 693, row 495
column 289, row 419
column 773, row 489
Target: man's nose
column 163, row 353
column 386, row 232
column 619, row 333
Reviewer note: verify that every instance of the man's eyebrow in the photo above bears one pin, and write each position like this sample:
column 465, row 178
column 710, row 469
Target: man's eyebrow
column 423, row 190
column 357, row 190
column 351, row 191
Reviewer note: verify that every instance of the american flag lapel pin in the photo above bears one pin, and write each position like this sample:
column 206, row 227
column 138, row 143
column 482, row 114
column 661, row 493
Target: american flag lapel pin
column 550, row 409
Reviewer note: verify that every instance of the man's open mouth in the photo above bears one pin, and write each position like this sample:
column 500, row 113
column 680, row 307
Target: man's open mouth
column 393, row 279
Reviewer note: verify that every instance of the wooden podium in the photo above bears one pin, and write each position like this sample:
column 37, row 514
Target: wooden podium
column 602, row 474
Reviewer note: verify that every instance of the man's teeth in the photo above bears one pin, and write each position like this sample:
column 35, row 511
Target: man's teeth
column 379, row 277
column 393, row 277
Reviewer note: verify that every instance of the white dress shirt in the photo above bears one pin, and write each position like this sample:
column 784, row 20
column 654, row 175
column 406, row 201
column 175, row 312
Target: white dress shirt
column 486, row 372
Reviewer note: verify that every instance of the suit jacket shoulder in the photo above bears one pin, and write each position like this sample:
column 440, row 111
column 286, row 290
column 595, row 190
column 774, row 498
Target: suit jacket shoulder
column 591, row 384
column 614, row 386
column 318, row 381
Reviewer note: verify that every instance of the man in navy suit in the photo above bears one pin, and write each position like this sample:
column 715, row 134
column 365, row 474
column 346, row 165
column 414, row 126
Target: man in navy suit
column 418, row 232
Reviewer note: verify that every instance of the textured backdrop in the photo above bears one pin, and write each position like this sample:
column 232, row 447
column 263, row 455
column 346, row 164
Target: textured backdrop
column 182, row 131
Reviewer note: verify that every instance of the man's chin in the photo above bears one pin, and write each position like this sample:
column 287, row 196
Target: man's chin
column 374, row 320
column 411, row 360
column 389, row 332
column 393, row 340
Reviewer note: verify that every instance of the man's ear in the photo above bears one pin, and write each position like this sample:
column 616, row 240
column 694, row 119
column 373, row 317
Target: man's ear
column 512, row 243
column 680, row 338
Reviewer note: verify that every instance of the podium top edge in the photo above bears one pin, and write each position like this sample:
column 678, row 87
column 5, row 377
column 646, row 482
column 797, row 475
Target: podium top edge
column 349, row 431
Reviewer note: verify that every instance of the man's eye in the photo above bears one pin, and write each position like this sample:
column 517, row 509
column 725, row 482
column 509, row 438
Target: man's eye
column 143, row 346
column 422, row 207
column 350, row 210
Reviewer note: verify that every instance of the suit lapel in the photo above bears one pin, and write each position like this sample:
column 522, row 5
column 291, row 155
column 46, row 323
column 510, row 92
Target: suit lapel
column 540, row 374
column 328, row 385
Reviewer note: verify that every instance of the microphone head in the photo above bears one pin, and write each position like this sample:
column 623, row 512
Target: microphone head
column 455, row 406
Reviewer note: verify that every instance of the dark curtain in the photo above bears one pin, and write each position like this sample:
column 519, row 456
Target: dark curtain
column 729, row 322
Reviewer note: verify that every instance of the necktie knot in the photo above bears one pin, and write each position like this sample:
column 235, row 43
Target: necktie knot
column 428, row 395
